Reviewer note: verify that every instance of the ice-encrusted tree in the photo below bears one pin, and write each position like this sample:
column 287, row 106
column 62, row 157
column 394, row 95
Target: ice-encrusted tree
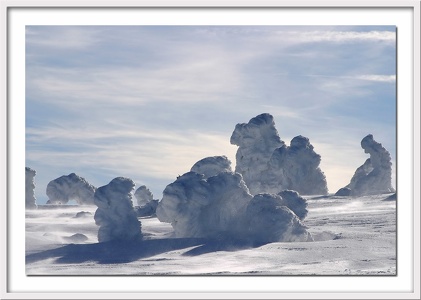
column 256, row 141
column 146, row 203
column 218, row 207
column 375, row 175
column 143, row 195
column 295, row 168
column 115, row 214
column 70, row 187
column 268, row 220
column 30, row 200
column 268, row 165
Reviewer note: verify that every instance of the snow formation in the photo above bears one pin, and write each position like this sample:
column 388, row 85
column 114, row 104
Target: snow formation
column 143, row 195
column 200, row 207
column 256, row 141
column 70, row 187
column 211, row 166
column 146, row 204
column 270, row 166
column 269, row 220
column 375, row 175
column 30, row 200
column 221, row 206
column 115, row 214
column 296, row 168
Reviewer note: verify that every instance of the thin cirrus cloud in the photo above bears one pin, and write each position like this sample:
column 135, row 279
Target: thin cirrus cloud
column 149, row 101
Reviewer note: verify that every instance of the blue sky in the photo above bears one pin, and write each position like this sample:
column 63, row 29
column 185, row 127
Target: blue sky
column 147, row 102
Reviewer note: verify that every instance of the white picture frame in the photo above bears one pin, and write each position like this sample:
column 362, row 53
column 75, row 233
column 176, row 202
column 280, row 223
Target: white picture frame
column 16, row 285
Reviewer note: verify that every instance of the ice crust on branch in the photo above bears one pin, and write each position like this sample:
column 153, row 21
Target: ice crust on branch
column 219, row 207
column 375, row 175
column 70, row 187
column 30, row 200
column 115, row 214
column 270, row 166
column 211, row 166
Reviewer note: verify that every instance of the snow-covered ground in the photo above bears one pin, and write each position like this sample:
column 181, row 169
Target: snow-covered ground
column 353, row 236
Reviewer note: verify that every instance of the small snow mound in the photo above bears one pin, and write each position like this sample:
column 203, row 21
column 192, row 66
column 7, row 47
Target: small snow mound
column 83, row 214
column 343, row 192
column 211, row 166
column 115, row 214
column 70, row 187
column 392, row 197
column 77, row 238
column 326, row 236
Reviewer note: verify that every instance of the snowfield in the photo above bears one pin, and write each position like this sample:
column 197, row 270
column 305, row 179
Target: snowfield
column 353, row 236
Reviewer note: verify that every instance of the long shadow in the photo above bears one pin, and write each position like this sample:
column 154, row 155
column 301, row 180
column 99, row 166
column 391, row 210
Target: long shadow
column 113, row 252
column 223, row 244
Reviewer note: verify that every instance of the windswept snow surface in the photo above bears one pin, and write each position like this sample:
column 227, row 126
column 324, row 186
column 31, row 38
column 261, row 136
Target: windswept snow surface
column 115, row 214
column 70, row 187
column 375, row 175
column 30, row 200
column 353, row 236
column 270, row 166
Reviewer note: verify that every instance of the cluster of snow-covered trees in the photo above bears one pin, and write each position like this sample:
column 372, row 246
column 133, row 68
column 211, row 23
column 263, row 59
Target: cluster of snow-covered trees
column 258, row 202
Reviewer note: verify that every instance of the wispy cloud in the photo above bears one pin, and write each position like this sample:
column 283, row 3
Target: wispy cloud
column 149, row 101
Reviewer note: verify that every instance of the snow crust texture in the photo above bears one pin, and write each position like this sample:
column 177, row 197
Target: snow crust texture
column 268, row 165
column 221, row 206
column 30, row 200
column 115, row 214
column 70, row 187
column 375, row 175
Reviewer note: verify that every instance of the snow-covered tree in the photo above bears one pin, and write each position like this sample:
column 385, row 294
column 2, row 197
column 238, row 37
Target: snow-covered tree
column 115, row 214
column 30, row 200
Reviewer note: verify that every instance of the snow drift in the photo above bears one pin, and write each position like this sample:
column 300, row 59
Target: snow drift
column 30, row 200
column 375, row 175
column 269, row 166
column 115, row 214
column 221, row 206
column 70, row 187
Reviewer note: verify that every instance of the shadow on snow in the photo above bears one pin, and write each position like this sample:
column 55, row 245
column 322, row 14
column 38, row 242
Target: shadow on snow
column 125, row 252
